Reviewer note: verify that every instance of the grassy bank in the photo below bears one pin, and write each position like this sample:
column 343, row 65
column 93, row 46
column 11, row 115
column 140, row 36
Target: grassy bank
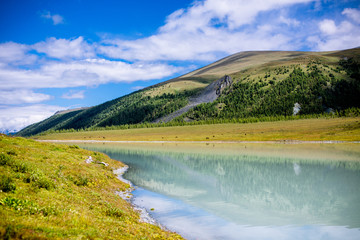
column 323, row 129
column 48, row 191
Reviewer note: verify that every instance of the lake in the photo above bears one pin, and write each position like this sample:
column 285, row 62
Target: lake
column 246, row 191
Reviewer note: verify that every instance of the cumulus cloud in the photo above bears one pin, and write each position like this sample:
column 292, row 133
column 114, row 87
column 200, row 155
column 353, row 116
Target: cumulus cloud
column 10, row 51
column 64, row 48
column 353, row 14
column 74, row 95
column 13, row 119
column 336, row 36
column 88, row 72
column 16, row 54
column 328, row 27
column 233, row 13
column 56, row 18
column 20, row 96
column 207, row 30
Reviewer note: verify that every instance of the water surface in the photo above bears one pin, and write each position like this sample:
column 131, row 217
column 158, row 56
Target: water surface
column 246, row 191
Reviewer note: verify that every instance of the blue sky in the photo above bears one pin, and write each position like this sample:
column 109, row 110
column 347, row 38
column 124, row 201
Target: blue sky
column 65, row 54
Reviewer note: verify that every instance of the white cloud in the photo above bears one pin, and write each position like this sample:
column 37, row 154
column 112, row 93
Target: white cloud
column 20, row 96
column 15, row 53
column 353, row 14
column 207, row 30
column 74, row 95
column 235, row 13
column 289, row 21
column 88, row 72
column 334, row 36
column 10, row 51
column 56, row 18
column 65, row 49
column 328, row 27
column 16, row 118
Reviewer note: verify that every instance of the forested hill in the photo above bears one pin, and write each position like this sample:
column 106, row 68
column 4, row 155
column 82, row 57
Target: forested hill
column 267, row 83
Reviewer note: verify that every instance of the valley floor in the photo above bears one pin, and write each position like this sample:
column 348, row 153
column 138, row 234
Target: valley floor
column 323, row 129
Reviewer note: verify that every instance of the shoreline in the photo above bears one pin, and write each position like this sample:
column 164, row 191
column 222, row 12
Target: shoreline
column 145, row 216
column 231, row 142
column 71, row 196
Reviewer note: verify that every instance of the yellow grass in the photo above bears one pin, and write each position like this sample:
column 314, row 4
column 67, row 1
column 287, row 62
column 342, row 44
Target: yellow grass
column 335, row 129
column 246, row 60
column 173, row 87
column 55, row 194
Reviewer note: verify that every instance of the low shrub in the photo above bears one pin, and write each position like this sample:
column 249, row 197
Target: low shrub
column 32, row 177
column 114, row 212
column 15, row 203
column 16, row 165
column 44, row 182
column 21, row 167
column 12, row 152
column 7, row 184
column 28, row 207
column 10, row 233
column 49, row 210
column 39, row 180
column 81, row 181
column 6, row 160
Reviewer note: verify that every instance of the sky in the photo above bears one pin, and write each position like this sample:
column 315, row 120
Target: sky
column 57, row 55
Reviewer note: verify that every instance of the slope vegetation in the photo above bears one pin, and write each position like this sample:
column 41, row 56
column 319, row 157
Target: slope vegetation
column 305, row 87
column 48, row 191
column 207, row 95
column 268, row 83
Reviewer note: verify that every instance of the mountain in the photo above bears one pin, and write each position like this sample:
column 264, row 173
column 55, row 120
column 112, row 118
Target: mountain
column 246, row 84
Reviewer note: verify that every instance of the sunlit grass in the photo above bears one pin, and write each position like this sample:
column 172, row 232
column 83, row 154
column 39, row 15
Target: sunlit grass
column 48, row 191
column 174, row 87
column 334, row 129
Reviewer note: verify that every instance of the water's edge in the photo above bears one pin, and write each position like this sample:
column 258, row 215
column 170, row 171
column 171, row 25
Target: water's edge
column 127, row 196
column 272, row 141
column 179, row 210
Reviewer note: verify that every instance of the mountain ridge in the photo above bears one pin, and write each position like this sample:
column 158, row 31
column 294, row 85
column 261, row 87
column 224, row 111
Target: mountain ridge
column 258, row 73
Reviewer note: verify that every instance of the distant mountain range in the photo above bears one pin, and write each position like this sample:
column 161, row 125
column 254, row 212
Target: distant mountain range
column 246, row 84
column 8, row 132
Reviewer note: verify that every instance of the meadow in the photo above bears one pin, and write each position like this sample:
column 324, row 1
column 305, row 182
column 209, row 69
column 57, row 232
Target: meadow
column 321, row 129
column 48, row 191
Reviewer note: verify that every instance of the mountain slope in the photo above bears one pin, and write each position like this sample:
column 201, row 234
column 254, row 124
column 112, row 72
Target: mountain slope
column 265, row 83
column 207, row 95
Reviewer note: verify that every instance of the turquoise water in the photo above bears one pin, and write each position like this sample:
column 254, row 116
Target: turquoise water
column 253, row 191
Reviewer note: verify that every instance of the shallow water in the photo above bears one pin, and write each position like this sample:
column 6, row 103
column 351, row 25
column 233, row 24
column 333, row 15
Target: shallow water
column 252, row 191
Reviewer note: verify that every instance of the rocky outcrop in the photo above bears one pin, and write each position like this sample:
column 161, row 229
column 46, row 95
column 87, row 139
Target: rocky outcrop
column 209, row 94
column 222, row 84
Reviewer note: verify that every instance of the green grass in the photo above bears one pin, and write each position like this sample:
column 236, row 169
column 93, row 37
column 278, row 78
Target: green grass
column 322, row 129
column 49, row 192
column 260, row 59
column 174, row 87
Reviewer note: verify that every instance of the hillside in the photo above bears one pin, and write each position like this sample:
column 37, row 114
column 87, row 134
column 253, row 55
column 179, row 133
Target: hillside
column 49, row 191
column 264, row 83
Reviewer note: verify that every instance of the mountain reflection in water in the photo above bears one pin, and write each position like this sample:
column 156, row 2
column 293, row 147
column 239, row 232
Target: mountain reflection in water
column 254, row 186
